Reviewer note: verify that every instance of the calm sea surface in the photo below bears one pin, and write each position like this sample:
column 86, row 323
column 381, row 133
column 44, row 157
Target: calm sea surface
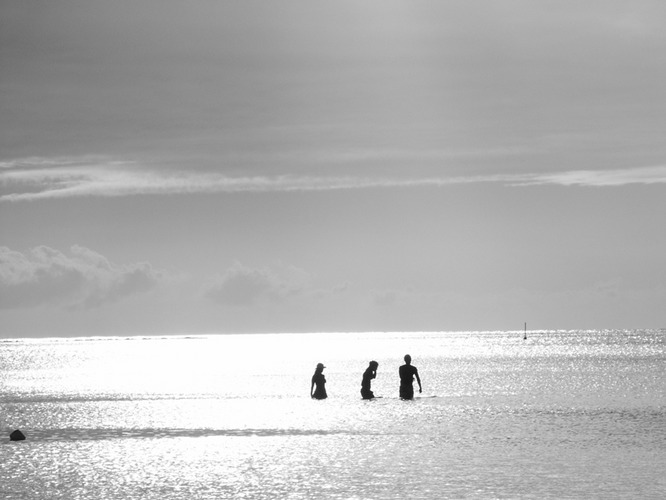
column 563, row 414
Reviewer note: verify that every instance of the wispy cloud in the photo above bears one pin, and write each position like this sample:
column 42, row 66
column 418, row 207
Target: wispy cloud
column 598, row 178
column 42, row 178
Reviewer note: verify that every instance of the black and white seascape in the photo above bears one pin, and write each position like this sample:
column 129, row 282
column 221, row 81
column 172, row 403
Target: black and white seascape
column 346, row 249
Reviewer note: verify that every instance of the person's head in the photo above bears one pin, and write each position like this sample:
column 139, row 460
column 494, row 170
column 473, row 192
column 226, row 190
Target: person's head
column 408, row 359
column 374, row 365
column 320, row 367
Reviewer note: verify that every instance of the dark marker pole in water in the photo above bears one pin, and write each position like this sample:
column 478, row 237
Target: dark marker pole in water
column 525, row 335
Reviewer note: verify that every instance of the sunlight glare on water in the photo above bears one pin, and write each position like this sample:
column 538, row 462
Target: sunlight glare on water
column 230, row 417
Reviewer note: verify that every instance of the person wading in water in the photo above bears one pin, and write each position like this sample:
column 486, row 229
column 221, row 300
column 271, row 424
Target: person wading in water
column 407, row 373
column 318, row 387
column 368, row 375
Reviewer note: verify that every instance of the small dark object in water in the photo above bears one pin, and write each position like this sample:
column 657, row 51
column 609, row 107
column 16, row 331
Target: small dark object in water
column 17, row 435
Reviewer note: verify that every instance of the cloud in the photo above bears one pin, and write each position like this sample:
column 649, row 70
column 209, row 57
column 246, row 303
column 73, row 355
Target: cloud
column 596, row 178
column 41, row 178
column 82, row 279
column 385, row 298
column 244, row 286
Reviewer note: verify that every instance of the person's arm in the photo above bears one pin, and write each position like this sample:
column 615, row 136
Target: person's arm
column 418, row 379
column 312, row 387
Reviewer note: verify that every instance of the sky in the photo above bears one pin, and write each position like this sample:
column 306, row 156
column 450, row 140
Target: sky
column 171, row 167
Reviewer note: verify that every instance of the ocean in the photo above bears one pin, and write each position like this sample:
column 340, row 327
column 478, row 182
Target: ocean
column 561, row 414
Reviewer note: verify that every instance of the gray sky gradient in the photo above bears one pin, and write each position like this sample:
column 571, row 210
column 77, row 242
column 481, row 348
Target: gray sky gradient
column 205, row 166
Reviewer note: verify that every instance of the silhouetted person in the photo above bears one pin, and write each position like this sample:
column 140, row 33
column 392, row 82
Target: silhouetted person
column 368, row 375
column 407, row 373
column 318, row 387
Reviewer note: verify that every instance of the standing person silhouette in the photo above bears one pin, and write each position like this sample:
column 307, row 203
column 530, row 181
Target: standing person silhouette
column 407, row 373
column 318, row 381
column 368, row 375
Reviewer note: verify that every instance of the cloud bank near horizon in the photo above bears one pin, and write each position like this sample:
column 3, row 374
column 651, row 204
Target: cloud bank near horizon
column 243, row 286
column 282, row 297
column 44, row 178
column 83, row 279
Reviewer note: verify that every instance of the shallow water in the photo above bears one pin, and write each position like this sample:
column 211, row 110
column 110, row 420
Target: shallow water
column 576, row 414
